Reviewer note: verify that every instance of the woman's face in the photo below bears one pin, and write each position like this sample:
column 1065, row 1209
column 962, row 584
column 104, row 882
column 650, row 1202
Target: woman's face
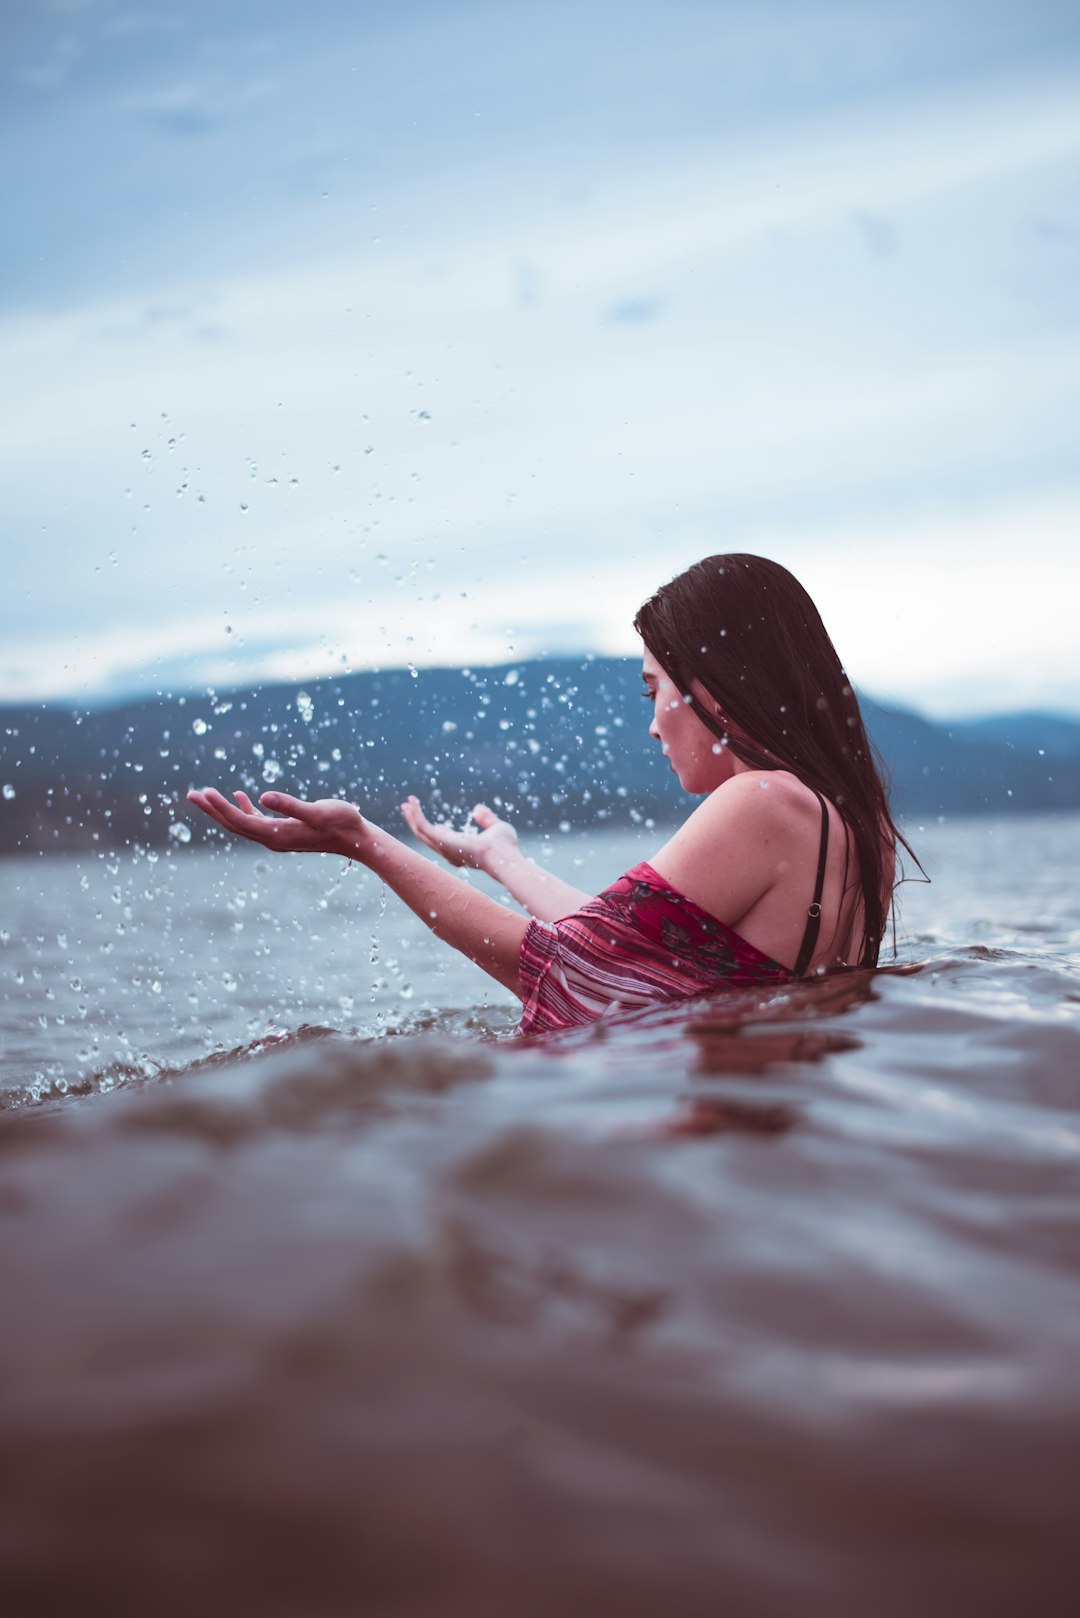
column 698, row 757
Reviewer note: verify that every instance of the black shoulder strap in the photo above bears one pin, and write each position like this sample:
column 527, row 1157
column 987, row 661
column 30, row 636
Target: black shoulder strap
column 813, row 915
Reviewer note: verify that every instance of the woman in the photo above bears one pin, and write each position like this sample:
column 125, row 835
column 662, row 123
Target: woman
column 786, row 868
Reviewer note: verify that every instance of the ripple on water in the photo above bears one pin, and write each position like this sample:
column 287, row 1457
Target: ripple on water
column 769, row 1293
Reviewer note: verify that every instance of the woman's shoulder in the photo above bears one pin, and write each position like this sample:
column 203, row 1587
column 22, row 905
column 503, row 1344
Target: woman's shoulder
column 739, row 841
column 760, row 801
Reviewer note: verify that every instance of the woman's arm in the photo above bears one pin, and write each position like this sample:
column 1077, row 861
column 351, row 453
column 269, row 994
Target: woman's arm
column 748, row 836
column 544, row 895
column 494, row 850
column 473, row 923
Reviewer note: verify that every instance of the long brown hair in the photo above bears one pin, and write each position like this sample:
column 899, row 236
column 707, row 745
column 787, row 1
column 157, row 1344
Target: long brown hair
column 746, row 628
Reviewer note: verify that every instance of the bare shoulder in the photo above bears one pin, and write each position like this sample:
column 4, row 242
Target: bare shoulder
column 739, row 841
column 757, row 803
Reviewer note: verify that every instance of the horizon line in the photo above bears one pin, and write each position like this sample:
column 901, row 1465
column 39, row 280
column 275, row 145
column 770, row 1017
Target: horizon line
column 115, row 700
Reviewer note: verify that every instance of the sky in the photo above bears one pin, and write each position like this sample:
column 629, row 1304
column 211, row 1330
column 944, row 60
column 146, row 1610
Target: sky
column 350, row 335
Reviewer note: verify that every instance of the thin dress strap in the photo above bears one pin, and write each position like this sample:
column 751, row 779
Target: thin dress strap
column 813, row 915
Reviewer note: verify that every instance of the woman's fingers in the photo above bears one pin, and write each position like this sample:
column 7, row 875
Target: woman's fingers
column 454, row 846
column 488, row 821
column 204, row 800
column 282, row 804
column 201, row 804
column 232, row 817
column 218, row 801
column 421, row 826
column 418, row 821
column 417, row 825
column 229, row 814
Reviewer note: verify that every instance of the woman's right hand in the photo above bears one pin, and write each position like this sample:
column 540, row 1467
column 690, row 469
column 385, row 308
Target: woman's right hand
column 478, row 848
column 327, row 826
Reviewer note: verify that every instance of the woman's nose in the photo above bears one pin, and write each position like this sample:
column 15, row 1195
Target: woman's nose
column 653, row 732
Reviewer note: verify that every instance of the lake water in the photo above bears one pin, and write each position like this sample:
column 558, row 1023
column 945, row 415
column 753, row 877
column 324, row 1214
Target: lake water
column 322, row 1295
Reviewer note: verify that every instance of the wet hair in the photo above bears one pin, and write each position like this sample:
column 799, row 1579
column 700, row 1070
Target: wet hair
column 747, row 630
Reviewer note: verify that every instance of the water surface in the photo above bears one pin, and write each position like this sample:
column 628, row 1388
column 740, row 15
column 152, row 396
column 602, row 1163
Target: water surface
column 324, row 1293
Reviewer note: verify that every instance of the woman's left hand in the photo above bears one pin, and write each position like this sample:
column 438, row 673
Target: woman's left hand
column 327, row 826
column 475, row 846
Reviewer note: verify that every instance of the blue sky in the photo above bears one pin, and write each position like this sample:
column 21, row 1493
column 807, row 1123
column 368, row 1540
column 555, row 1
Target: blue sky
column 345, row 335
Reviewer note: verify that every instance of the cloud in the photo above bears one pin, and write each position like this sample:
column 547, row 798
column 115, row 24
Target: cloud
column 388, row 423
column 635, row 311
column 876, row 232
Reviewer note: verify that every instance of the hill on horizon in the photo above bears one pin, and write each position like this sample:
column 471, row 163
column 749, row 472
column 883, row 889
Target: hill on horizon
column 554, row 741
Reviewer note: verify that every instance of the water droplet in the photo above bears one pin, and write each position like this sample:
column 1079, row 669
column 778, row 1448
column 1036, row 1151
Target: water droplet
column 199, row 726
column 179, row 832
column 9, row 791
column 271, row 770
column 305, row 707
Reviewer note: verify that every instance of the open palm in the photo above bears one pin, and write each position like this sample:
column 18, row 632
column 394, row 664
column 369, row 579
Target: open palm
column 327, row 826
column 474, row 846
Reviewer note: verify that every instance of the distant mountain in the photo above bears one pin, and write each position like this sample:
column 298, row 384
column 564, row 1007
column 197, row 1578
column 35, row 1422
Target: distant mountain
column 561, row 740
column 968, row 767
column 1053, row 736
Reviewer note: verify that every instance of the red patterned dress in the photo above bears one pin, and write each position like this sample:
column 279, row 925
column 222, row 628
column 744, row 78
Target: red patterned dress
column 638, row 942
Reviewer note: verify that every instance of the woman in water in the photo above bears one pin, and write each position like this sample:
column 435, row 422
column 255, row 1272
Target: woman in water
column 785, row 869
